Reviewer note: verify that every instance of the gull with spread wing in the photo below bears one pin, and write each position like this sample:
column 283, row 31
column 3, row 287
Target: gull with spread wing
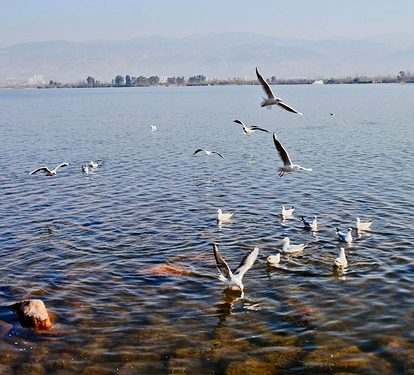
column 271, row 99
column 288, row 166
column 48, row 171
column 251, row 129
column 208, row 152
column 234, row 278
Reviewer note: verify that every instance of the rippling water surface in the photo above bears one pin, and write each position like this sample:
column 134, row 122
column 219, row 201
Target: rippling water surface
column 123, row 257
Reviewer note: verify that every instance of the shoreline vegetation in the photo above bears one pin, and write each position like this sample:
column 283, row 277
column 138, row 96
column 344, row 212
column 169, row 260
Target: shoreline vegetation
column 201, row 80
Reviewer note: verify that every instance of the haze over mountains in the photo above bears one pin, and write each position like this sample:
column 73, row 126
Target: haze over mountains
column 222, row 56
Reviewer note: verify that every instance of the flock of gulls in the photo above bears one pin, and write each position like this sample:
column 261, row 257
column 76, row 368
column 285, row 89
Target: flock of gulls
column 233, row 279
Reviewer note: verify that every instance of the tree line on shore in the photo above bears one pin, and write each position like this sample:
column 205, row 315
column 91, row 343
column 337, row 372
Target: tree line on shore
column 201, row 80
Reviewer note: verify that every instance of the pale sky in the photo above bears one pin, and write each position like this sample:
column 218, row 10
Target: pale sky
column 83, row 20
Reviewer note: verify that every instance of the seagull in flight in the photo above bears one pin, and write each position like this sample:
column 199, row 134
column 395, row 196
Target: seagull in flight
column 251, row 129
column 363, row 225
column 287, row 213
column 271, row 99
column 223, row 217
column 48, row 171
column 341, row 261
column 345, row 237
column 287, row 163
column 234, row 278
column 310, row 225
column 153, row 128
column 208, row 152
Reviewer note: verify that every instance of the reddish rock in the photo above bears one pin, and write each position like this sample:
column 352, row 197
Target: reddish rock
column 32, row 314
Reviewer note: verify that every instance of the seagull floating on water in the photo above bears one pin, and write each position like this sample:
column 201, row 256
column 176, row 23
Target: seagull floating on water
column 341, row 261
column 345, row 237
column 287, row 213
column 93, row 165
column 208, row 152
column 271, row 99
column 363, row 225
column 313, row 225
column 85, row 169
column 223, row 217
column 48, row 171
column 234, row 278
column 251, row 129
column 273, row 260
column 287, row 163
column 288, row 248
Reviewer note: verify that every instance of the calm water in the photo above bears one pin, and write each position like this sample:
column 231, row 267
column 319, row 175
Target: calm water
column 123, row 257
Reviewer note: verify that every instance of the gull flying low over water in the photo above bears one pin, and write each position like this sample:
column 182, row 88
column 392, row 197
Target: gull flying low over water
column 287, row 213
column 221, row 217
column 288, row 166
column 251, row 129
column 271, row 99
column 363, row 225
column 341, row 261
column 48, row 171
column 153, row 128
column 208, row 152
column 234, row 278
column 288, row 248
column 310, row 225
column 345, row 237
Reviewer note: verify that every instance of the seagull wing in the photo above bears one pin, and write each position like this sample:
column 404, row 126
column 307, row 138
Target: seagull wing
column 215, row 152
column 246, row 263
column 289, row 108
column 259, row 128
column 46, row 169
column 61, row 165
column 200, row 149
column 265, row 85
column 222, row 266
column 281, row 150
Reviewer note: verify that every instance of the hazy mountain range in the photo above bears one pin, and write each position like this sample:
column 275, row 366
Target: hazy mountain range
column 223, row 55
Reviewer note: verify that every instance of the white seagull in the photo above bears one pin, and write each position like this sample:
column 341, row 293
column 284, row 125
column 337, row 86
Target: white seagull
column 345, row 237
column 223, row 217
column 273, row 260
column 48, row 171
column 93, row 165
column 287, row 213
column 310, row 225
column 234, row 278
column 208, row 152
column 251, row 129
column 288, row 248
column 341, row 261
column 363, row 225
column 287, row 163
column 271, row 99
column 153, row 128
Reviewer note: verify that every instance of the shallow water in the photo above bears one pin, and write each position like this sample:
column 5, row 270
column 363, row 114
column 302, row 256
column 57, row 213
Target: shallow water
column 123, row 256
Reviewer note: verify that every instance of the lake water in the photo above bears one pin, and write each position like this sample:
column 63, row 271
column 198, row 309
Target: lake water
column 123, row 257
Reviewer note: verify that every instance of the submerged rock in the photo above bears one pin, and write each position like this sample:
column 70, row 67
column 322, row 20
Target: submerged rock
column 32, row 314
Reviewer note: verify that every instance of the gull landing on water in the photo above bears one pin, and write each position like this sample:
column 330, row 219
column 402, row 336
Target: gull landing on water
column 234, row 278
column 287, row 163
column 208, row 152
column 271, row 99
column 363, row 226
column 287, row 214
column 341, row 261
column 48, row 171
column 251, row 129
column 345, row 237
